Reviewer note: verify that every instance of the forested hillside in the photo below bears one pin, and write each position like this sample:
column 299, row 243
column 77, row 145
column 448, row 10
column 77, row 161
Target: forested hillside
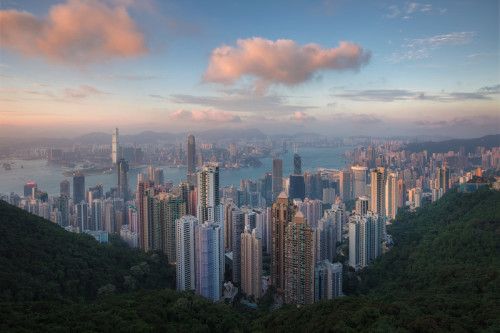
column 443, row 274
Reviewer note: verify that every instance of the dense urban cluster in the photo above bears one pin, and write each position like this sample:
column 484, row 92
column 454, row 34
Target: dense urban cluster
column 312, row 226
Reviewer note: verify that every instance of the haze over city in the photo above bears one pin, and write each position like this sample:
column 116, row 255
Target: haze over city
column 339, row 68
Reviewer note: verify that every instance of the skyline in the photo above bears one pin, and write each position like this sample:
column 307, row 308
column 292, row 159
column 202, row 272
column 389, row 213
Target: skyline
column 341, row 68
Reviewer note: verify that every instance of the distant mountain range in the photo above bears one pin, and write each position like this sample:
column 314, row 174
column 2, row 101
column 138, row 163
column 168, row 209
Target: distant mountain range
column 469, row 145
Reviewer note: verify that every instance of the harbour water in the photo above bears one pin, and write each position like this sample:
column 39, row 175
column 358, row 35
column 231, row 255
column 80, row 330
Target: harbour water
column 48, row 175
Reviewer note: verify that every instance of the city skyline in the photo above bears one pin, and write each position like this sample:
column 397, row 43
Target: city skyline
column 330, row 67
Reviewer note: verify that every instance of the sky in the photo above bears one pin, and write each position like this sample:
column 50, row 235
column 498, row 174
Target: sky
column 333, row 67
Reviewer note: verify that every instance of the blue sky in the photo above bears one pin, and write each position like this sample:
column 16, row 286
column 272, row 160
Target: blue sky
column 339, row 68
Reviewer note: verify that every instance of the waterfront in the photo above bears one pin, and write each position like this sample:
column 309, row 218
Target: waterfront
column 48, row 176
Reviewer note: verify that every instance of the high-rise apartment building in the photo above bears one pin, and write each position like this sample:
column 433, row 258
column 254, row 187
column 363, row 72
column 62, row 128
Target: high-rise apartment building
column 208, row 194
column 327, row 280
column 185, row 252
column 359, row 176
column 378, row 191
column 208, row 259
column 299, row 265
column 282, row 212
column 96, row 213
column 401, row 193
column 251, row 263
column 391, row 195
column 365, row 236
column 237, row 228
column 277, row 177
column 191, row 159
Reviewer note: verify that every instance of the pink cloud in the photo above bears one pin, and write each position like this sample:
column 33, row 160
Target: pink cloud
column 301, row 116
column 206, row 115
column 77, row 32
column 283, row 61
column 83, row 91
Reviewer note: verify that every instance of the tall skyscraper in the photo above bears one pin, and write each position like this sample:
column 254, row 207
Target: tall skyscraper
column 345, row 185
column 208, row 194
column 122, row 172
column 82, row 213
column 391, row 195
column 365, row 235
column 363, row 205
column 359, row 176
column 191, row 157
column 78, row 187
column 96, row 212
column 251, row 263
column 297, row 163
column 299, row 265
column 444, row 178
column 297, row 188
column 401, row 193
column 378, row 191
column 208, row 259
column 114, row 146
column 237, row 228
column 282, row 212
column 172, row 208
column 28, row 189
column 65, row 188
column 142, row 186
column 277, row 177
column 185, row 252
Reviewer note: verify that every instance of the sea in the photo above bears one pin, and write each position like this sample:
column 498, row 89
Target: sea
column 48, row 175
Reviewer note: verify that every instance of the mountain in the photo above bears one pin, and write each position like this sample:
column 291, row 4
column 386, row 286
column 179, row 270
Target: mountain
column 443, row 274
column 469, row 145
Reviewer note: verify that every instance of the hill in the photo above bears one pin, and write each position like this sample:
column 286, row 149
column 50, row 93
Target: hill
column 469, row 145
column 443, row 274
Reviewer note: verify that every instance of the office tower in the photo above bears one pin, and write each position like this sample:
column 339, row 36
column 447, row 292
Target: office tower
column 297, row 163
column 96, row 213
column 208, row 194
column 158, row 176
column 282, row 212
column 359, row 176
column 327, row 280
column 378, row 191
column 185, row 252
column 122, row 172
column 65, row 188
column 277, row 177
column 444, row 178
column 191, row 159
column 365, row 235
column 363, row 205
column 401, row 193
column 345, row 185
column 128, row 153
column 78, row 187
column 28, row 189
column 391, row 195
column 172, row 208
column 267, row 186
column 370, row 156
column 82, row 215
column 114, row 146
column 297, row 187
column 308, row 183
column 251, row 263
column 237, row 228
column 299, row 265
column 209, row 258
column 151, row 173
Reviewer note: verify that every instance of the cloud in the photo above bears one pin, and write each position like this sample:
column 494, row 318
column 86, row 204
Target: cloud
column 239, row 100
column 418, row 48
column 409, row 9
column 480, row 120
column 358, row 118
column 301, row 116
column 83, row 92
column 206, row 115
column 78, row 32
column 281, row 62
column 391, row 95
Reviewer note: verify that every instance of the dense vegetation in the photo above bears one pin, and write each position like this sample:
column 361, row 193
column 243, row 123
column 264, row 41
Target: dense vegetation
column 443, row 274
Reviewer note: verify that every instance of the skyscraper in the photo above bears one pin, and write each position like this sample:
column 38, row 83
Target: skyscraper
column 297, row 163
column 327, row 280
column 191, row 157
column 78, row 187
column 122, row 173
column 114, row 146
column 345, row 185
column 251, row 263
column 237, row 228
column 282, row 212
column 96, row 212
column 82, row 213
column 208, row 194
column 208, row 259
column 297, row 187
column 299, row 265
column 185, row 252
column 378, row 191
column 359, row 175
column 65, row 188
column 401, row 193
column 444, row 178
column 277, row 177
column 391, row 195
column 28, row 189
column 365, row 235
